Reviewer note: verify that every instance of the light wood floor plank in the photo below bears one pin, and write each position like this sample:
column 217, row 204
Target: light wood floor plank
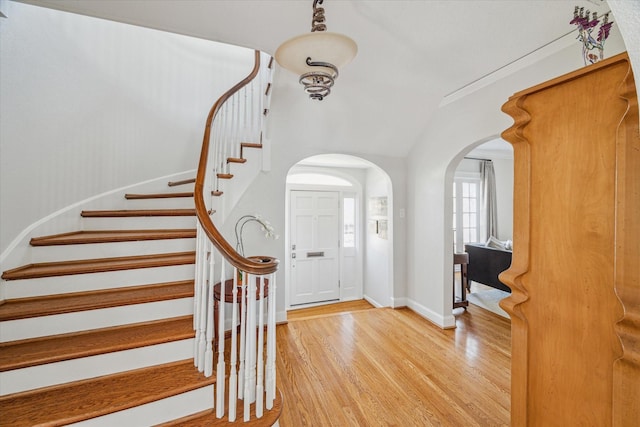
column 385, row 367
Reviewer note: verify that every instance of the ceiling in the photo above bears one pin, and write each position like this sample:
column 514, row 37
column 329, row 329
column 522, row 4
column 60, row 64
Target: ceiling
column 411, row 54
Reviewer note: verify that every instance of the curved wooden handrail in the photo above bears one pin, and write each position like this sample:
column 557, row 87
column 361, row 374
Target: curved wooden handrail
column 254, row 265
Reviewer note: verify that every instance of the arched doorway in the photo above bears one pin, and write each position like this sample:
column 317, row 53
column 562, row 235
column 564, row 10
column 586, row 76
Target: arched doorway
column 481, row 206
column 359, row 193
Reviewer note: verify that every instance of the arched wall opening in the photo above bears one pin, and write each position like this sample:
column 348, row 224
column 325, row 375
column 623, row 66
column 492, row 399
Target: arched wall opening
column 366, row 242
column 471, row 218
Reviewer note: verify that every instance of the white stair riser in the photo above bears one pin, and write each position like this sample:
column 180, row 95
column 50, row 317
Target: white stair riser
column 138, row 223
column 156, row 412
column 109, row 250
column 161, row 203
column 95, row 281
column 243, row 175
column 94, row 366
column 13, row 330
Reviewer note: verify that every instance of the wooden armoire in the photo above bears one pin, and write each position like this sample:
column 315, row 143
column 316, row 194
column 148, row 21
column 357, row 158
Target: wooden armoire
column 575, row 274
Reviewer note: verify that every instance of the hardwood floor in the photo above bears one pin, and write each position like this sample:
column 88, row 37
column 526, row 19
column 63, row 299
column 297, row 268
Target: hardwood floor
column 386, row 367
column 329, row 309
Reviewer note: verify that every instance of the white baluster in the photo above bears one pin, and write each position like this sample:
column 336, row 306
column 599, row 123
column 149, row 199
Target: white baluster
column 213, row 151
column 202, row 342
column 220, row 140
column 208, row 356
column 271, row 343
column 243, row 336
column 197, row 293
column 250, row 362
column 259, row 357
column 246, row 134
column 220, row 120
column 258, row 108
column 235, row 144
column 233, row 375
column 255, row 108
column 220, row 369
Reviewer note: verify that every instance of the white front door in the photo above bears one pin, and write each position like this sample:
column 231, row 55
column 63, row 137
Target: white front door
column 315, row 269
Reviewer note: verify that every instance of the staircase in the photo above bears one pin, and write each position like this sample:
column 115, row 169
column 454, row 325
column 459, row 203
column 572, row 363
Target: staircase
column 77, row 345
column 99, row 329
column 76, row 341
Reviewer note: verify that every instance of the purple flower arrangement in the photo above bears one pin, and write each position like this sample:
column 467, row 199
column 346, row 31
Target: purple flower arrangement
column 586, row 23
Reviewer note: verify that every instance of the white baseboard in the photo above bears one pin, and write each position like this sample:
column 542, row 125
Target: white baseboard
column 399, row 302
column 445, row 322
column 373, row 302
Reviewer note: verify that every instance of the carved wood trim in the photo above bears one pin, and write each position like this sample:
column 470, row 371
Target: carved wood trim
column 626, row 369
column 519, row 264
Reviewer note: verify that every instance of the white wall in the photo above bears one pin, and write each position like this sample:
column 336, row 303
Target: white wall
column 90, row 105
column 378, row 269
column 453, row 130
column 626, row 14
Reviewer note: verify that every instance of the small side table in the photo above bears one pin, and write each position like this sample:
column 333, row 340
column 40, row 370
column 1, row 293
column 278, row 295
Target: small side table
column 228, row 298
column 461, row 259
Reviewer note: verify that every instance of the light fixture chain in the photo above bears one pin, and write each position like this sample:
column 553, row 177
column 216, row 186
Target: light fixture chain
column 318, row 19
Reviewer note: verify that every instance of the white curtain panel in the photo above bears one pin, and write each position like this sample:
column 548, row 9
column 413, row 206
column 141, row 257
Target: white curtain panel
column 489, row 212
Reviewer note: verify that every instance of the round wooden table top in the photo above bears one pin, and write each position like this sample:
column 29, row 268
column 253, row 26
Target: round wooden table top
column 228, row 285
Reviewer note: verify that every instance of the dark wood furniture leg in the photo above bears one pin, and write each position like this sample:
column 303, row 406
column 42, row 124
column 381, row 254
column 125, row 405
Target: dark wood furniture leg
column 462, row 259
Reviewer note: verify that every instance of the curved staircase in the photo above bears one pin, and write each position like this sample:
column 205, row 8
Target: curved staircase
column 102, row 327
column 81, row 340
column 77, row 340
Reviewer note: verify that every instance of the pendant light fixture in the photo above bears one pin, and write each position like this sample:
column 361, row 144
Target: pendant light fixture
column 317, row 56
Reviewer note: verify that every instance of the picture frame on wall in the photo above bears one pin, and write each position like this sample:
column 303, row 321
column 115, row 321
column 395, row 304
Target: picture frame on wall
column 378, row 206
column 383, row 231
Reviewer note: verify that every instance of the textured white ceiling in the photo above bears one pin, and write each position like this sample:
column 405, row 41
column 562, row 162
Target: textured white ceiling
column 411, row 54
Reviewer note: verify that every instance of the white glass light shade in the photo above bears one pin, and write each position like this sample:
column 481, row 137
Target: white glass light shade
column 320, row 46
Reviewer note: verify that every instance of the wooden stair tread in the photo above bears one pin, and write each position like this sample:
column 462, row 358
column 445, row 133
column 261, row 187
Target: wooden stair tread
column 22, row 308
column 64, row 268
column 236, row 160
column 109, row 236
column 137, row 213
column 77, row 401
column 225, row 175
column 208, row 418
column 181, row 182
column 251, row 145
column 157, row 195
column 56, row 348
column 244, row 145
